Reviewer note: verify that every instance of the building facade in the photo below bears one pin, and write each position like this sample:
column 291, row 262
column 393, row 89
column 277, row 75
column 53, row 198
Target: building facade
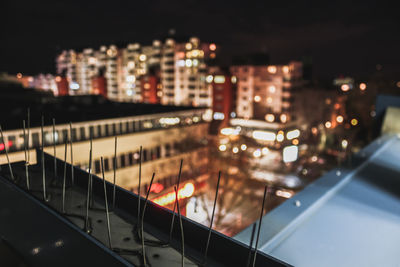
column 180, row 67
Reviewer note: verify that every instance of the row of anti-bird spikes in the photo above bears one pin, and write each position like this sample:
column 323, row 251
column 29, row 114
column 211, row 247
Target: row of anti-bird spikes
column 140, row 220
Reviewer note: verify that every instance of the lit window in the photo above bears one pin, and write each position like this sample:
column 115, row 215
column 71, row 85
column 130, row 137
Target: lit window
column 142, row 57
column 345, row 87
column 285, row 69
column 130, row 78
column 219, row 79
column 290, row 154
column 271, row 69
column 328, row 124
column 272, row 89
column 270, row 117
column 283, row 118
column 181, row 63
column 293, row 134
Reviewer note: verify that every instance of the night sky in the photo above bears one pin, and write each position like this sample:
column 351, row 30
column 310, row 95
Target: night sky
column 342, row 37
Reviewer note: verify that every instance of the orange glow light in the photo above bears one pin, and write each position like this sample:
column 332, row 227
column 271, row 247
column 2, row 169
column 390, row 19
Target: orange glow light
column 213, row 47
column 184, row 192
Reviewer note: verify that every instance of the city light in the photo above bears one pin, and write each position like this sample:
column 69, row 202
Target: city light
column 58, row 79
column 264, row 150
column 74, row 86
column 235, row 150
column 270, row 117
column 188, row 62
column 314, row 130
column 285, row 194
column 222, row 148
column 293, row 134
column 271, row 69
column 285, row 69
column 345, row 87
column 339, row 119
column 243, row 147
column 218, row 116
column 233, row 79
column 363, row 86
column 181, row 63
column 264, row 135
column 131, row 79
column 398, row 84
column 257, row 98
column 188, row 46
column 142, row 57
column 219, row 79
column 170, row 121
column 328, row 124
column 283, row 118
column 230, row 131
column 290, row 154
column 184, row 192
column 344, row 143
column 295, row 142
column 272, row 89
column 354, row 122
column 269, row 100
column 209, row 78
column 280, row 136
column 19, row 75
column 257, row 153
column 213, row 47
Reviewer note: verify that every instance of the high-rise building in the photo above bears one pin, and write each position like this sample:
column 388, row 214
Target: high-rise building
column 264, row 92
column 223, row 87
column 181, row 69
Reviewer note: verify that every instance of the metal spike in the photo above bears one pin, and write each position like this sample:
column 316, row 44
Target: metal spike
column 140, row 181
column 91, row 178
column 88, row 190
column 142, row 220
column 173, row 212
column 54, row 148
column 43, row 167
column 253, row 231
column 8, row 159
column 65, row 176
column 29, row 130
column 26, row 157
column 72, row 154
column 212, row 219
column 181, row 226
column 106, row 204
column 115, row 170
column 259, row 226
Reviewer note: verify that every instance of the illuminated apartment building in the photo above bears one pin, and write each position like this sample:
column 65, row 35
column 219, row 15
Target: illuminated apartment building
column 223, row 88
column 181, row 68
column 264, row 107
column 264, row 92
